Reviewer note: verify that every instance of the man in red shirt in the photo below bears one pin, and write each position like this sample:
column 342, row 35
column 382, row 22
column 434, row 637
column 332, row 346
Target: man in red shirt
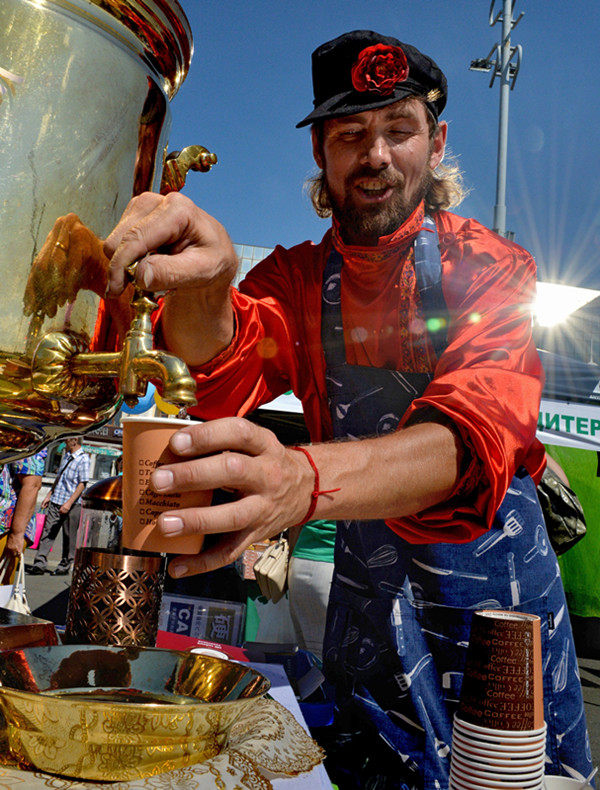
column 435, row 495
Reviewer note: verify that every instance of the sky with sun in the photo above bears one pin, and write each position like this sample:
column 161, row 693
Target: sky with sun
column 250, row 83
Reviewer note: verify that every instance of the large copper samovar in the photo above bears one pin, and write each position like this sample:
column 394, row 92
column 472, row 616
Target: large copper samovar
column 85, row 87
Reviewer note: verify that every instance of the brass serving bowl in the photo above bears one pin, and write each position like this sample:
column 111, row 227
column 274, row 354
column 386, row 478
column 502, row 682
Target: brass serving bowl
column 118, row 713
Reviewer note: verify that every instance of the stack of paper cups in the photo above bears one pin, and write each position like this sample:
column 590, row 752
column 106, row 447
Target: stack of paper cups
column 499, row 733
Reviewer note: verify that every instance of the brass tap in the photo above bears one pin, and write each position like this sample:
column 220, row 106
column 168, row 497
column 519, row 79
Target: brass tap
column 141, row 362
column 62, row 369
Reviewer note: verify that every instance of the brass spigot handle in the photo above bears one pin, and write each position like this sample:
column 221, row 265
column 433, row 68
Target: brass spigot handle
column 179, row 163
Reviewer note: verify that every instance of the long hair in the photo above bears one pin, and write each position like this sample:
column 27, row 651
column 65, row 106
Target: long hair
column 446, row 189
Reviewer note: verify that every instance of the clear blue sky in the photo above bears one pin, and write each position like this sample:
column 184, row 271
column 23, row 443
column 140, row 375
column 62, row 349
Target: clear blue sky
column 250, row 83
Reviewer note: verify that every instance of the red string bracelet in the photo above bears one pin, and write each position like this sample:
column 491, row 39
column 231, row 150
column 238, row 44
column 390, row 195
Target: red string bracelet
column 316, row 493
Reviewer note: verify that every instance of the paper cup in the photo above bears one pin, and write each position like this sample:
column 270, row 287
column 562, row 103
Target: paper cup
column 471, row 781
column 145, row 447
column 502, row 683
column 495, row 756
column 487, row 735
column 462, row 783
column 487, row 770
column 502, row 751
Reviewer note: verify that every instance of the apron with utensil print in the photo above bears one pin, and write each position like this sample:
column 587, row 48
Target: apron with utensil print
column 399, row 615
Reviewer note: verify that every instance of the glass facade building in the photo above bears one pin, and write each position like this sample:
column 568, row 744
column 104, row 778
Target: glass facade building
column 249, row 255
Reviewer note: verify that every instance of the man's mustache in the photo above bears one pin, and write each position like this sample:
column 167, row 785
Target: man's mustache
column 391, row 177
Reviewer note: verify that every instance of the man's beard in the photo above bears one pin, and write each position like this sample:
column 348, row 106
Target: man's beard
column 364, row 225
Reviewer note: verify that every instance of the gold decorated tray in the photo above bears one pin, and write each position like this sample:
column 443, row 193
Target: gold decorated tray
column 119, row 713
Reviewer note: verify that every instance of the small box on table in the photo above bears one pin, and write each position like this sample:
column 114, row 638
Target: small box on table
column 203, row 618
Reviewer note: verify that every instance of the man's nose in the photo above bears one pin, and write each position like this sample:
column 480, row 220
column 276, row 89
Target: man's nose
column 377, row 152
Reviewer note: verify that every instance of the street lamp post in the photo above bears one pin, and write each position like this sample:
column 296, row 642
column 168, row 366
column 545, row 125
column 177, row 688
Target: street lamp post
column 504, row 62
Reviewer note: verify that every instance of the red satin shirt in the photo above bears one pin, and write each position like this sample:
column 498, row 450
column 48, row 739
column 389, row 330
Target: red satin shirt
column 488, row 380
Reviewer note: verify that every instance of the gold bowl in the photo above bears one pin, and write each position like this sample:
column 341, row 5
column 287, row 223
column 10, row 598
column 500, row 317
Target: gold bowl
column 118, row 713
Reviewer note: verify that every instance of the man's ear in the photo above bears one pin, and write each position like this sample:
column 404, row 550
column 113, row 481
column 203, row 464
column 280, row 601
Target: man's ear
column 317, row 149
column 439, row 145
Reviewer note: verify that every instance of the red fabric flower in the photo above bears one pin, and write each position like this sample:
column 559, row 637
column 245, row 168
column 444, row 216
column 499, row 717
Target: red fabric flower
column 379, row 68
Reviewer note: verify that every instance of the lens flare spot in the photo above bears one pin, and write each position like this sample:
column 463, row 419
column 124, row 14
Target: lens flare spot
column 417, row 326
column 359, row 334
column 435, row 324
column 267, row 348
column 475, row 318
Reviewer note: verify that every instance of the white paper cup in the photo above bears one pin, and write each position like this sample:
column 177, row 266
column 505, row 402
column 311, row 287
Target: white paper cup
column 458, row 783
column 504, row 736
column 145, row 447
column 494, row 762
column 499, row 751
column 534, row 769
column 472, row 781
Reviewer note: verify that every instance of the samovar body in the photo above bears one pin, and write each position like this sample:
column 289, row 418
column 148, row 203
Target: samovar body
column 85, row 87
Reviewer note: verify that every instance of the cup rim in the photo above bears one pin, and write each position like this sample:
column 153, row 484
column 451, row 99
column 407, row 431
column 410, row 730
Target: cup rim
column 513, row 776
column 486, row 747
column 491, row 733
column 156, row 420
column 538, row 765
column 507, row 763
column 472, row 781
column 460, row 784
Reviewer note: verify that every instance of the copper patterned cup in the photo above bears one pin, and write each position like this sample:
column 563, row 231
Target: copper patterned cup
column 115, row 599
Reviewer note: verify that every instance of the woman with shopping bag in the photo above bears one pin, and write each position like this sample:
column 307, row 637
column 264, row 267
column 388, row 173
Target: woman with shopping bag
column 20, row 482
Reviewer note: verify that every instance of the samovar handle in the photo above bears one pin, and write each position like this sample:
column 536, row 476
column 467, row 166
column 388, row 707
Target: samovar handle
column 179, row 163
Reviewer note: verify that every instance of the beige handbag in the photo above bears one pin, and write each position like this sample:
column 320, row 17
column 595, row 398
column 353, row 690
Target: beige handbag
column 271, row 569
column 12, row 596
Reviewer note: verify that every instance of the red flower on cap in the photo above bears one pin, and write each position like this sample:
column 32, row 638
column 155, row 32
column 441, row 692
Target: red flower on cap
column 379, row 68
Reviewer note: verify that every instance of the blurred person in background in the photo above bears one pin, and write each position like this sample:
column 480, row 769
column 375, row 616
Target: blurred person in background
column 20, row 484
column 63, row 503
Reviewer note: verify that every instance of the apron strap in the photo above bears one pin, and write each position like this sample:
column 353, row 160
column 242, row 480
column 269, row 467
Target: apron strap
column 428, row 271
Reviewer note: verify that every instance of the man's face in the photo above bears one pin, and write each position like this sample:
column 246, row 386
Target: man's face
column 378, row 165
column 72, row 444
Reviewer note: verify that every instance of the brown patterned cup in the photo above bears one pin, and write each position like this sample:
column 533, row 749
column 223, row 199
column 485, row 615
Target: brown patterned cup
column 502, row 684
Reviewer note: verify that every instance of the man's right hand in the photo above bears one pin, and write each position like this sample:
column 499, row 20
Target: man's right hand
column 183, row 250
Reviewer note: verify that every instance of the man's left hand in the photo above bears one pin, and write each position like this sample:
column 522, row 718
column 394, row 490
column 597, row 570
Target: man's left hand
column 273, row 487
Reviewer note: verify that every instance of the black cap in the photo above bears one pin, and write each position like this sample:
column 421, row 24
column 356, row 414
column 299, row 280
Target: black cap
column 363, row 70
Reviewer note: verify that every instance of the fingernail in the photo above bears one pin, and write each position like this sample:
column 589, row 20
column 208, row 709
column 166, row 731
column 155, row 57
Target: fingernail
column 172, row 525
column 161, row 479
column 181, row 441
column 148, row 275
column 178, row 570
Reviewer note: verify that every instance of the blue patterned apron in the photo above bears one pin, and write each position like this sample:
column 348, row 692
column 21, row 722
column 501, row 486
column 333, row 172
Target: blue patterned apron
column 400, row 614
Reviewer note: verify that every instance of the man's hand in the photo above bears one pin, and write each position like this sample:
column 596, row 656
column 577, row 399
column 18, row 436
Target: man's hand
column 273, row 487
column 183, row 250
column 417, row 467
column 176, row 243
column 71, row 259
